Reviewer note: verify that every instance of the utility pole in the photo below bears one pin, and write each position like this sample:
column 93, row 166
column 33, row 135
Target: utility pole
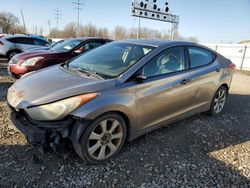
column 23, row 21
column 57, row 16
column 49, row 28
column 78, row 4
column 139, row 27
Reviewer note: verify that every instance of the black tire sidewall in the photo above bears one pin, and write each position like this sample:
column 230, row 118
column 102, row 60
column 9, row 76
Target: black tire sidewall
column 11, row 52
column 84, row 138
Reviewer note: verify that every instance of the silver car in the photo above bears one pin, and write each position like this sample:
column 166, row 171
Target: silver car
column 118, row 92
column 10, row 45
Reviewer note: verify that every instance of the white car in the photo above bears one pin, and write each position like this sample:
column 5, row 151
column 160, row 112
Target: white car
column 11, row 45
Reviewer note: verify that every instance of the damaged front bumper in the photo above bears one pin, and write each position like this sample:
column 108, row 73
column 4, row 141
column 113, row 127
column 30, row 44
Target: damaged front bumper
column 49, row 134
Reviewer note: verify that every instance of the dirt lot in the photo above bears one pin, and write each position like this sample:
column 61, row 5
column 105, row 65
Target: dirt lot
column 196, row 152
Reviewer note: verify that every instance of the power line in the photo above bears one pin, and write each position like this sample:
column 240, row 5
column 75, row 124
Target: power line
column 58, row 15
column 78, row 4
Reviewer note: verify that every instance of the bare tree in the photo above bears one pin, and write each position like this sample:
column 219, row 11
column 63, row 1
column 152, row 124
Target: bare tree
column 103, row 32
column 17, row 29
column 132, row 33
column 7, row 20
column 70, row 31
column 89, row 30
column 120, row 32
column 56, row 33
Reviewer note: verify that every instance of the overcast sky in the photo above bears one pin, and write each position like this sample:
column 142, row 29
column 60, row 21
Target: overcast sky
column 208, row 20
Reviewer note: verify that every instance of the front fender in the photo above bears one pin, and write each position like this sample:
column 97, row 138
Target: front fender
column 117, row 101
column 105, row 103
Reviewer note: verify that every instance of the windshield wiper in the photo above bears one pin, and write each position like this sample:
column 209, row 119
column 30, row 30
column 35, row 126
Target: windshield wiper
column 89, row 72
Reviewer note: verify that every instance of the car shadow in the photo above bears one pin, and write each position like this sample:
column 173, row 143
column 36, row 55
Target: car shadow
column 201, row 150
column 4, row 89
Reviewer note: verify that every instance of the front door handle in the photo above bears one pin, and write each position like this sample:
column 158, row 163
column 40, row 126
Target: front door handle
column 185, row 81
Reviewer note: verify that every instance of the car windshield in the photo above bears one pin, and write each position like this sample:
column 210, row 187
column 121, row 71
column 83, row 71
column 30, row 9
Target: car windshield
column 56, row 43
column 111, row 59
column 66, row 46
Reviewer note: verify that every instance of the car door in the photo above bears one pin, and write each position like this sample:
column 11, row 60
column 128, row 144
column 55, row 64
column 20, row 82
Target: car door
column 165, row 94
column 205, row 74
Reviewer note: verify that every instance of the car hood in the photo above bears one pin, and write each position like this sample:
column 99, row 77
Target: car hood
column 52, row 84
column 31, row 54
column 37, row 49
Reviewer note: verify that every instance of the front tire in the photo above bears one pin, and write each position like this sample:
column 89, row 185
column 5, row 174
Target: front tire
column 103, row 138
column 218, row 101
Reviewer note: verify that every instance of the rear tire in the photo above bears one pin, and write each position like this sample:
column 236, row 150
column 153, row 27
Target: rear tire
column 103, row 138
column 218, row 101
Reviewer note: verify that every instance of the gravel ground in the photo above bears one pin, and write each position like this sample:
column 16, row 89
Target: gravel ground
column 201, row 151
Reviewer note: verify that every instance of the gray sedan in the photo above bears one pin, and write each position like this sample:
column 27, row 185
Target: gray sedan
column 118, row 92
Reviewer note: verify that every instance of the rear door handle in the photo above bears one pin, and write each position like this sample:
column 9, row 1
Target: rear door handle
column 185, row 81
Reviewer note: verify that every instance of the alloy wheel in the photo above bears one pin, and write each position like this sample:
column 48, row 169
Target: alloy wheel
column 219, row 101
column 105, row 139
column 12, row 54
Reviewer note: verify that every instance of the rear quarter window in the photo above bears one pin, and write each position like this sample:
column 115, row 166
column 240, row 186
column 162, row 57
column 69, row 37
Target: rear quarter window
column 40, row 42
column 199, row 56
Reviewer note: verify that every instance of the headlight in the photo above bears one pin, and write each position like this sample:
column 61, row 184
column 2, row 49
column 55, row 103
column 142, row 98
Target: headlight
column 13, row 61
column 59, row 109
column 31, row 61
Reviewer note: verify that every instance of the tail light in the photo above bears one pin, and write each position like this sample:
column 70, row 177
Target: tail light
column 1, row 43
column 231, row 66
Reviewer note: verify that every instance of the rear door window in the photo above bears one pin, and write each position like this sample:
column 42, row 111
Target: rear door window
column 169, row 61
column 199, row 56
column 91, row 45
column 22, row 40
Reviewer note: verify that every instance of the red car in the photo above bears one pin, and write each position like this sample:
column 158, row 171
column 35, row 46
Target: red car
column 31, row 61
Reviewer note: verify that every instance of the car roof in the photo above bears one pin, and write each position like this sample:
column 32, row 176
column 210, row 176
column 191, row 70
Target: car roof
column 87, row 38
column 23, row 36
column 156, row 42
column 15, row 36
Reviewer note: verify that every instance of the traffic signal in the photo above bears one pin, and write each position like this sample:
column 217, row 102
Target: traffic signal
column 155, row 6
column 141, row 4
column 166, row 8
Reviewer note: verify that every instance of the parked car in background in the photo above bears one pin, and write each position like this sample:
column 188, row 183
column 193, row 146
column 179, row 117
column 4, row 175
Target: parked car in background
column 31, row 61
column 118, row 92
column 43, row 47
column 10, row 45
